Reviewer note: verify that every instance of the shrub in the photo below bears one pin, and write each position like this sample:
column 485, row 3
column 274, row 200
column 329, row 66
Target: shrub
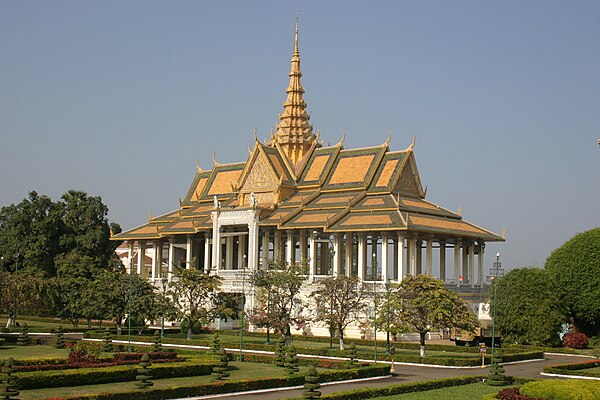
column 121, row 373
column 576, row 340
column 514, row 394
column 563, row 389
column 311, row 384
column 143, row 376
column 220, row 370
column 196, row 327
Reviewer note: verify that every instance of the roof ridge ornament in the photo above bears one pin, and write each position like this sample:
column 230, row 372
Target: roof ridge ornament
column 294, row 133
column 215, row 163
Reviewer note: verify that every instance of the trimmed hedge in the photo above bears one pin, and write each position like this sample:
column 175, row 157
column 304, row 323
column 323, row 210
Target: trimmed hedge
column 577, row 369
column 563, row 389
column 93, row 376
column 369, row 393
column 473, row 361
column 236, row 386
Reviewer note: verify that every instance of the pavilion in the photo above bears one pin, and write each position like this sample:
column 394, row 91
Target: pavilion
column 357, row 212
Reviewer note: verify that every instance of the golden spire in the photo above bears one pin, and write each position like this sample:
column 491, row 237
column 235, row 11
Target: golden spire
column 294, row 133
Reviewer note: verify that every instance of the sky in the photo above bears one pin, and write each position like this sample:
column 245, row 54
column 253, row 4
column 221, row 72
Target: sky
column 120, row 99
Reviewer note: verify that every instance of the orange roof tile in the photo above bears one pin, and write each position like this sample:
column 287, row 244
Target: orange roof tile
column 351, row 169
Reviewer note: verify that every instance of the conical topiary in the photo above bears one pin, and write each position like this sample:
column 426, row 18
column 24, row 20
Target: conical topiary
column 311, row 384
column 351, row 353
column 291, row 361
column 280, row 352
column 8, row 390
column 215, row 346
column 220, row 371
column 24, row 339
column 157, row 348
column 497, row 376
column 143, row 376
column 60, row 338
column 107, row 345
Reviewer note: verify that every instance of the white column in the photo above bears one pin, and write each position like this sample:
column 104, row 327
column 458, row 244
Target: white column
column 303, row 245
column 336, row 254
column 362, row 252
column 216, row 243
column 480, row 279
column 384, row 257
column 400, row 252
column 457, row 262
column 465, row 261
column 171, row 259
column 429, row 256
column 253, row 238
column 277, row 246
column 242, row 251
column 348, row 254
column 312, row 251
column 229, row 252
column 207, row 240
column 443, row 261
column 140, row 258
column 411, row 249
column 472, row 264
column 188, row 252
column 155, row 260
column 159, row 256
column 289, row 247
column 130, row 263
column 265, row 248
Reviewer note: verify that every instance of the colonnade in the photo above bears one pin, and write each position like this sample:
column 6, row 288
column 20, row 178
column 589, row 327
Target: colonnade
column 372, row 256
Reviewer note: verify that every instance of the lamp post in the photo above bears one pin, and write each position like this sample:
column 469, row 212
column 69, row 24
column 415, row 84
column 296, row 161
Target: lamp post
column 495, row 272
column 129, row 305
column 14, row 319
column 241, row 357
column 388, row 290
column 374, row 272
column 163, row 281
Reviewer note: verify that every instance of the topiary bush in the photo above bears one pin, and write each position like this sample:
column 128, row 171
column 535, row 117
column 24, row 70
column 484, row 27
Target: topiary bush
column 143, row 376
column 8, row 389
column 107, row 346
column 157, row 347
column 24, row 339
column 60, row 338
column 220, row 370
column 497, row 376
column 311, row 384
column 291, row 361
column 576, row 340
column 280, row 352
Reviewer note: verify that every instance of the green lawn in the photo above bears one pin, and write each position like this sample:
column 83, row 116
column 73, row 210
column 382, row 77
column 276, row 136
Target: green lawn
column 466, row 392
column 31, row 352
column 239, row 371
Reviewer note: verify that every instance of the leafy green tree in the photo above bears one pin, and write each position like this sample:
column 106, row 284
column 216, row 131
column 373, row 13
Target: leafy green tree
column 283, row 283
column 26, row 292
column 528, row 309
column 338, row 302
column 423, row 303
column 575, row 270
column 194, row 296
column 30, row 234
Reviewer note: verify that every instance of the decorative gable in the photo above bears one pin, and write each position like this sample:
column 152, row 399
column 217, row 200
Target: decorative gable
column 409, row 183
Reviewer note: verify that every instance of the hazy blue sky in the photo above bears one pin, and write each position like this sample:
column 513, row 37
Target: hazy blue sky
column 120, row 98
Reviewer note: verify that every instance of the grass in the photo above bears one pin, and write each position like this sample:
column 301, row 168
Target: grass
column 31, row 352
column 466, row 392
column 239, row 371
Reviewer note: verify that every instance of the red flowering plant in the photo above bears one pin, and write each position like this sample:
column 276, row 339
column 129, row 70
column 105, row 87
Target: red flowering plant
column 576, row 340
column 83, row 353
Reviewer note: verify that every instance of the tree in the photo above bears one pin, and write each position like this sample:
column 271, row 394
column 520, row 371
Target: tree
column 338, row 302
column 30, row 234
column 528, row 310
column 282, row 283
column 575, row 271
column 28, row 292
column 194, row 293
column 423, row 303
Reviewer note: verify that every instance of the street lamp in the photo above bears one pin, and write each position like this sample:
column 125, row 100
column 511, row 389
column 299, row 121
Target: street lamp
column 388, row 289
column 163, row 281
column 241, row 358
column 495, row 272
column 374, row 272
column 129, row 305
column 14, row 319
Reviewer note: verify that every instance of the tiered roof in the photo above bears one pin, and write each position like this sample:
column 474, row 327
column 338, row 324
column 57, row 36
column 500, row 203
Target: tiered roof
column 297, row 184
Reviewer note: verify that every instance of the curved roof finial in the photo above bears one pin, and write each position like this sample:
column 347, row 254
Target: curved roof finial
column 341, row 142
column 412, row 145
column 215, row 163
column 256, row 137
column 387, row 141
